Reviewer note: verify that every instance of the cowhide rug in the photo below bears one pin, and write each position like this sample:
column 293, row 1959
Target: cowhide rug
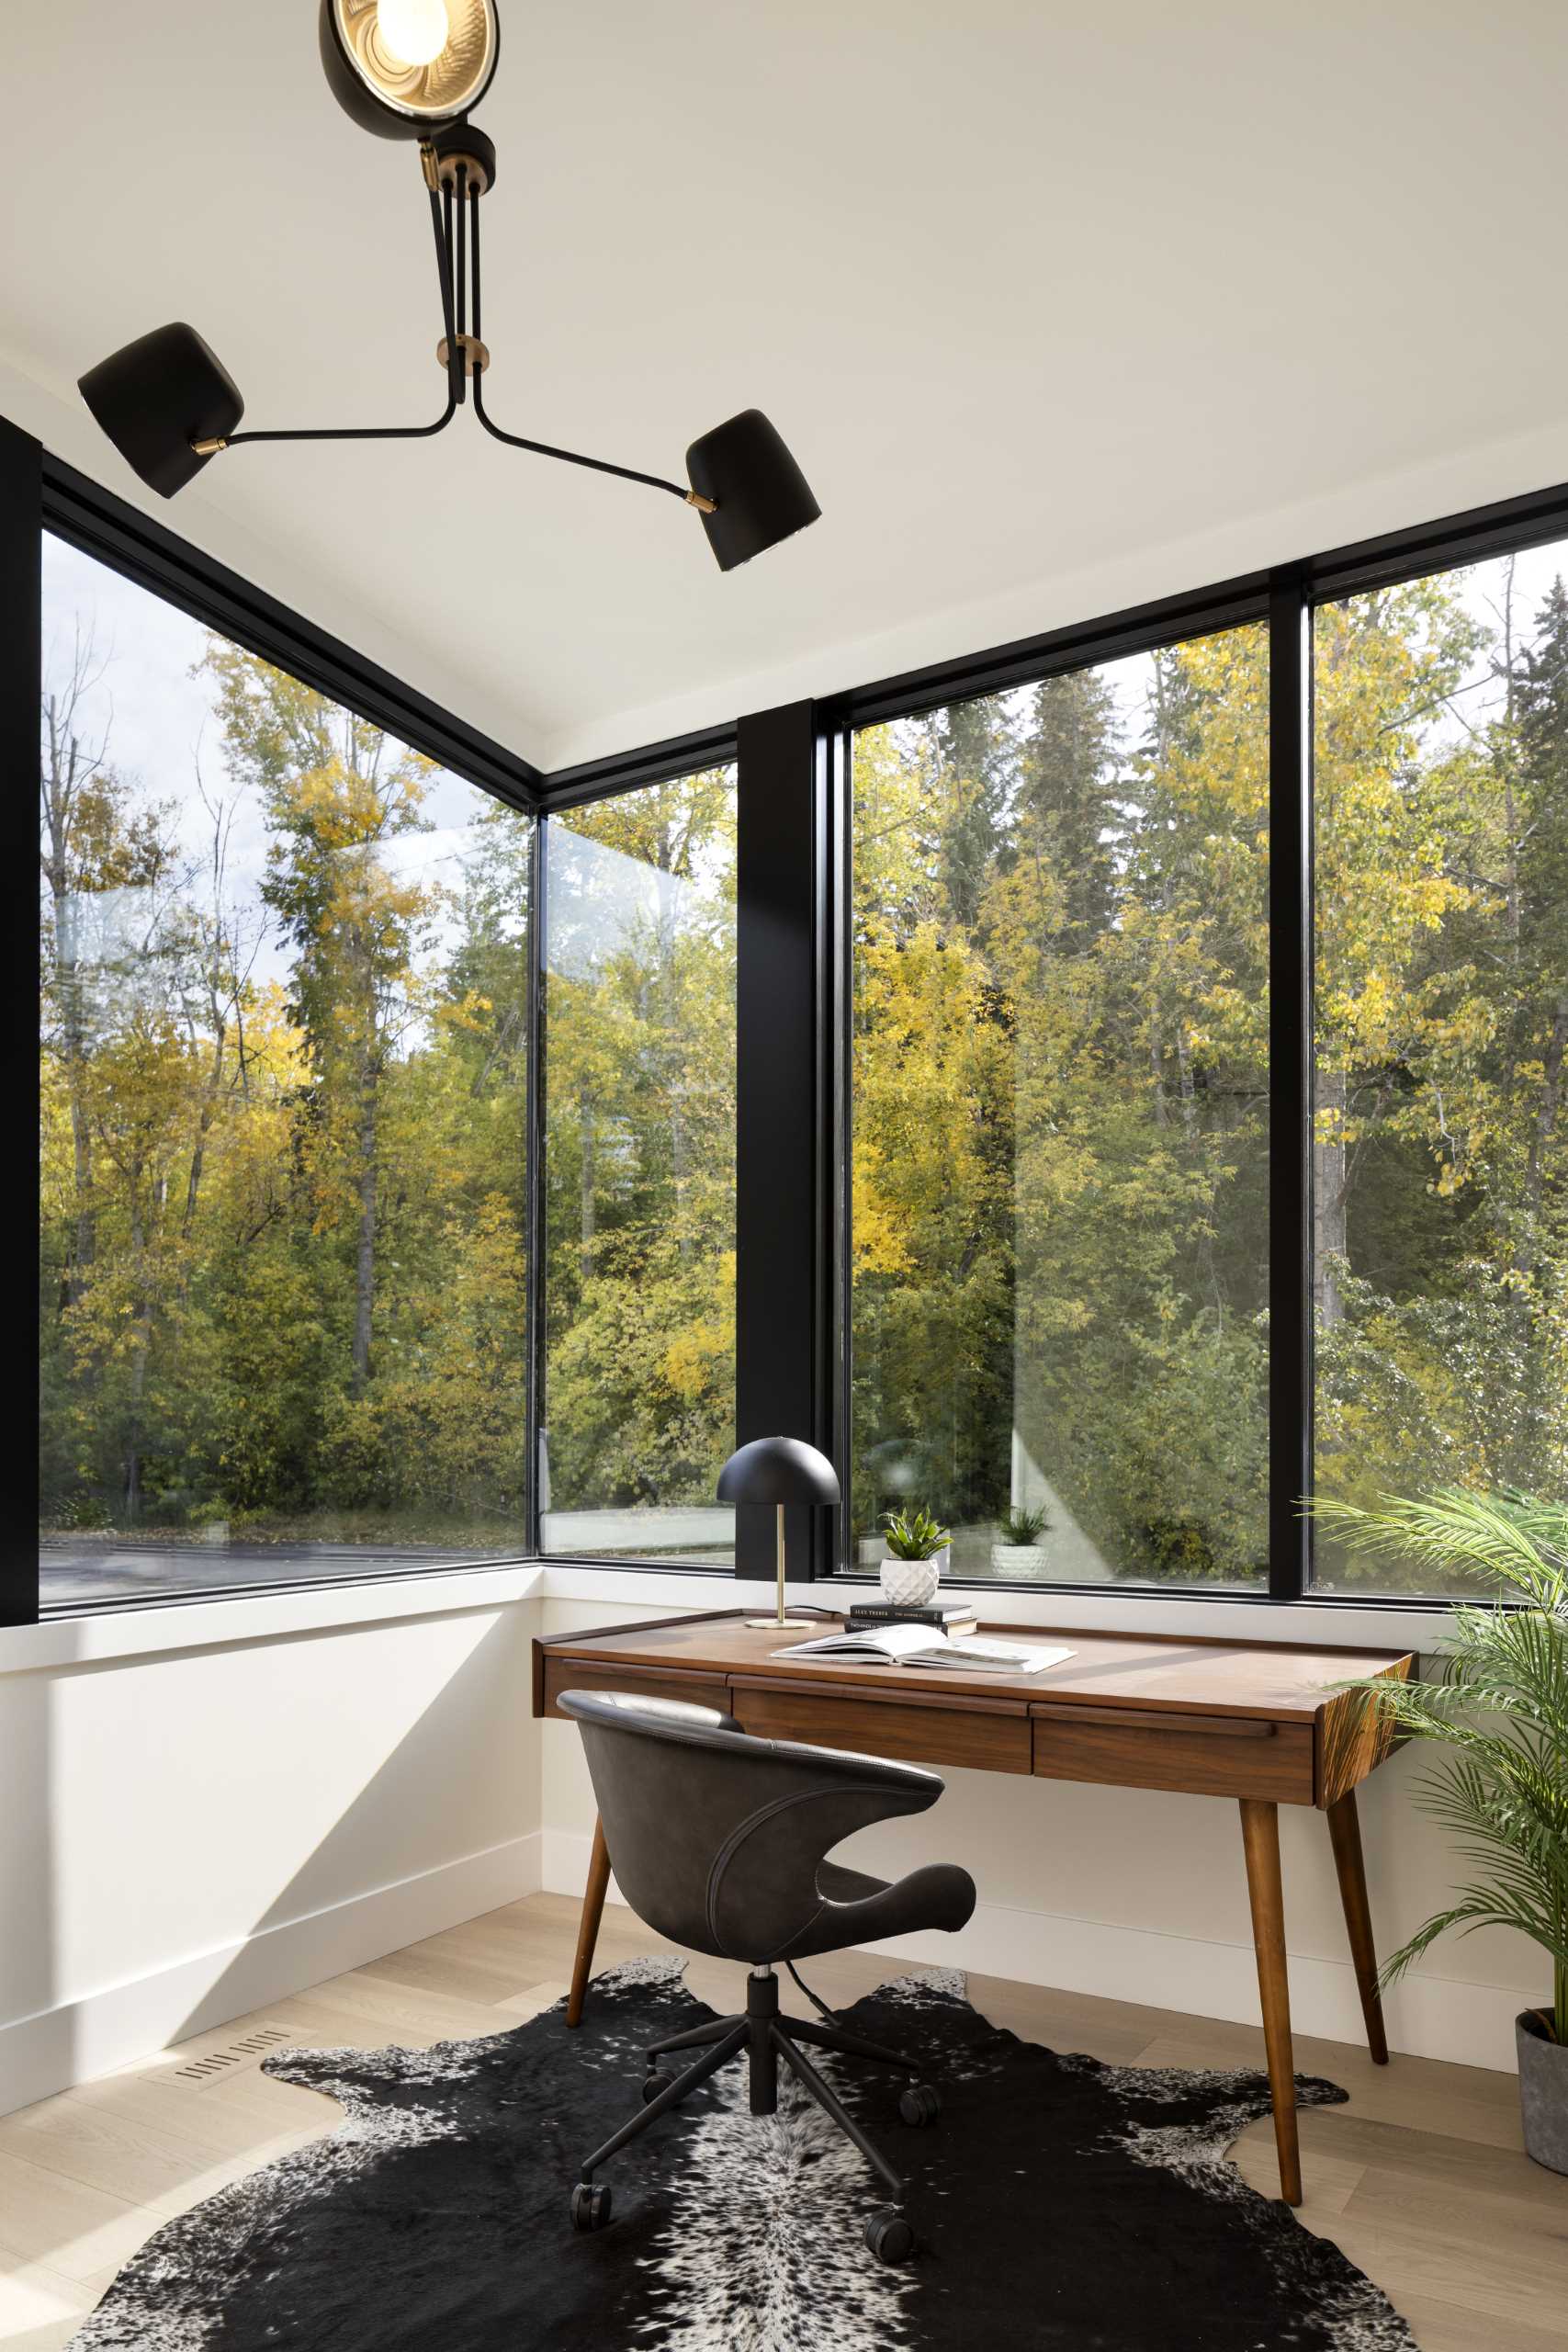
column 1060, row 2203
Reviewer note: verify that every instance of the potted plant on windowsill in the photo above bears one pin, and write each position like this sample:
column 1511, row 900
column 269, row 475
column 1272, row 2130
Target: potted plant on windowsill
column 1501, row 1709
column 920, row 1555
column 1018, row 1551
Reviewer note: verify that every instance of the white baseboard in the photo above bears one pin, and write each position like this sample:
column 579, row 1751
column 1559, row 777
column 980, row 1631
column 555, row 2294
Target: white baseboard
column 1428, row 2017
column 55, row 2048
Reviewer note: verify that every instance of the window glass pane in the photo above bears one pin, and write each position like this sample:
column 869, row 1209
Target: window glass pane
column 1059, row 1250
column 1441, row 1127
column 283, row 1069
column 639, row 1172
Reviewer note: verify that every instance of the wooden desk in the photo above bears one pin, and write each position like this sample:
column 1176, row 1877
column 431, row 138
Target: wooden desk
column 1258, row 1721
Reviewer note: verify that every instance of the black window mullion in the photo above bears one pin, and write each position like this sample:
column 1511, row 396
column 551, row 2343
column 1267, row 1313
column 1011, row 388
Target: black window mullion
column 21, row 665
column 1290, row 1085
column 532, row 1204
column 781, row 1294
column 835, row 1050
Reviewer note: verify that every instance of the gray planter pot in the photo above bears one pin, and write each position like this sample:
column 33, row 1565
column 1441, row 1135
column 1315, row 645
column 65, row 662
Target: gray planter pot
column 1543, row 2092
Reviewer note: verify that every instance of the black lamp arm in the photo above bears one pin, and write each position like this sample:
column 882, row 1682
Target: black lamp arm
column 457, row 266
column 546, row 449
column 386, row 432
column 572, row 457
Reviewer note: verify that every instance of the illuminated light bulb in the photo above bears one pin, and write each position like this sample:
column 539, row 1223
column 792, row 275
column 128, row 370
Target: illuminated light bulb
column 413, row 31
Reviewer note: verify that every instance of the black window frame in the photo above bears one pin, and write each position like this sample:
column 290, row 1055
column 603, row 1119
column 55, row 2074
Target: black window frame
column 794, row 1109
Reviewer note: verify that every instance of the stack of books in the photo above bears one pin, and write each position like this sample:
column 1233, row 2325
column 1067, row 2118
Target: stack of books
column 958, row 1617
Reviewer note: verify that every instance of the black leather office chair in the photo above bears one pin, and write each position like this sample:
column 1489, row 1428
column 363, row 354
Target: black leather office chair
column 717, row 1840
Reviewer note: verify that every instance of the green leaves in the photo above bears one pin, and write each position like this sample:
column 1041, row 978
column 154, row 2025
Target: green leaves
column 1501, row 1708
column 913, row 1534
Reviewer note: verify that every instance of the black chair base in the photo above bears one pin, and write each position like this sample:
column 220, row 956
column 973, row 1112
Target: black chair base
column 765, row 2043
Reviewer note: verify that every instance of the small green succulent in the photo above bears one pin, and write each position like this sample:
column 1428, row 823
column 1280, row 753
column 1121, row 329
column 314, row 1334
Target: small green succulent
column 1022, row 1528
column 913, row 1534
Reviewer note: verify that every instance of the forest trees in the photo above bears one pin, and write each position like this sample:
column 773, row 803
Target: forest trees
column 1060, row 1069
column 284, row 1072
column 1440, row 1153
column 283, row 1068
column 639, row 1163
column 1060, row 1225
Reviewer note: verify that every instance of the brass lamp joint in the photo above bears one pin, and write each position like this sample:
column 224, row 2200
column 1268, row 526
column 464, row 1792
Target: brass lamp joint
column 703, row 505
column 210, row 447
column 475, row 180
column 428, row 167
column 476, row 354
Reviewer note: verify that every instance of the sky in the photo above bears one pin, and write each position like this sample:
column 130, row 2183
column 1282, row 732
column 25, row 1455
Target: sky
column 159, row 724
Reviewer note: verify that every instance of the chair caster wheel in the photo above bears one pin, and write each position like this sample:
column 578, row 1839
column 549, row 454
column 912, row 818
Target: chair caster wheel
column 889, row 2236
column 589, row 2206
column 920, row 2104
column 653, row 2082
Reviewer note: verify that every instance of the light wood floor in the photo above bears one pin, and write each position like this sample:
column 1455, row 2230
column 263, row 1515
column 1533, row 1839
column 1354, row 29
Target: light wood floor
column 1421, row 2180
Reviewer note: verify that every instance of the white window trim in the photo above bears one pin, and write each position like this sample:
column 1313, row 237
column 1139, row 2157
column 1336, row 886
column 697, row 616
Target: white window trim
column 101, row 1637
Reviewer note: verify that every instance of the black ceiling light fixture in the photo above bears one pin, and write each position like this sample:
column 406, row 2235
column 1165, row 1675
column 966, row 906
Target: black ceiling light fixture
column 412, row 69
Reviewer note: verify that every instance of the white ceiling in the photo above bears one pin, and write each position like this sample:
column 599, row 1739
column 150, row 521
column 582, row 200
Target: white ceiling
column 1059, row 306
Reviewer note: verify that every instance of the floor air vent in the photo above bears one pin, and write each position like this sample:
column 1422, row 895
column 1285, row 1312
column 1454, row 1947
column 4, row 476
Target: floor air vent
column 213, row 2062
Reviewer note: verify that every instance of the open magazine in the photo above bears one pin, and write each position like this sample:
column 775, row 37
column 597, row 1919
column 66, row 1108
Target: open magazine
column 919, row 1646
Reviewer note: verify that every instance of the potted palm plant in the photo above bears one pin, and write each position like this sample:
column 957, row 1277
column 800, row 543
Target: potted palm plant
column 1501, row 1710
column 1018, row 1551
column 919, row 1554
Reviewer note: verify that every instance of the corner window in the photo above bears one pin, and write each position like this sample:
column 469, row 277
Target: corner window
column 1059, row 1341
column 1440, row 1138
column 285, row 984
column 638, row 1412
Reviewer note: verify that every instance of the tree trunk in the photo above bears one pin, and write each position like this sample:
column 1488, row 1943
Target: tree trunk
column 365, row 1252
column 1329, row 1188
column 64, row 770
column 204, row 1123
column 587, row 1201
column 143, row 1348
column 1188, row 1092
column 1540, row 1136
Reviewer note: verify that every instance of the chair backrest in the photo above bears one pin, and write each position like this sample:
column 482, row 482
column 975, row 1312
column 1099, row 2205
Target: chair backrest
column 714, row 1837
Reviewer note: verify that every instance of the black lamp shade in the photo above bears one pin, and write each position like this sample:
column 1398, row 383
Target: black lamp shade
column 158, row 395
column 778, row 1470
column 395, row 100
column 761, row 494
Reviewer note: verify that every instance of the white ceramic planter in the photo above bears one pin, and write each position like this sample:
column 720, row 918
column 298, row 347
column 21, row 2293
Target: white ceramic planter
column 1025, row 1561
column 912, row 1584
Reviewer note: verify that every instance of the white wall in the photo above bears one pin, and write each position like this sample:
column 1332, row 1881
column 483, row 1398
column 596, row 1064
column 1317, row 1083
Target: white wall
column 207, row 1808
column 1142, row 1897
column 210, row 1823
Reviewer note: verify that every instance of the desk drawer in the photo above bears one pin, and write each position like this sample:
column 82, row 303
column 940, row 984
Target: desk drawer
column 1209, row 1755
column 645, row 1681
column 912, row 1731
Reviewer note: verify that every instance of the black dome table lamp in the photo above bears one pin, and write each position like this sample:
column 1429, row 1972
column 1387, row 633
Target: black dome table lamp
column 778, row 1470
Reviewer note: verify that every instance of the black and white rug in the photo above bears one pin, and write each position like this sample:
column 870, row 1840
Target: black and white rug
column 1064, row 2204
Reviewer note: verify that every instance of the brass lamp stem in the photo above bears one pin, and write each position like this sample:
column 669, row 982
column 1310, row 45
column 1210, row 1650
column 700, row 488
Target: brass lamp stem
column 780, row 1622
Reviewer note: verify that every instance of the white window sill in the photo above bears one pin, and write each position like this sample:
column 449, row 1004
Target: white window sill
column 96, row 1638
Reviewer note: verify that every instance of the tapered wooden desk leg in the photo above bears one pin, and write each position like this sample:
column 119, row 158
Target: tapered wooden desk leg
column 588, row 1927
column 1344, row 1829
column 1260, row 1838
